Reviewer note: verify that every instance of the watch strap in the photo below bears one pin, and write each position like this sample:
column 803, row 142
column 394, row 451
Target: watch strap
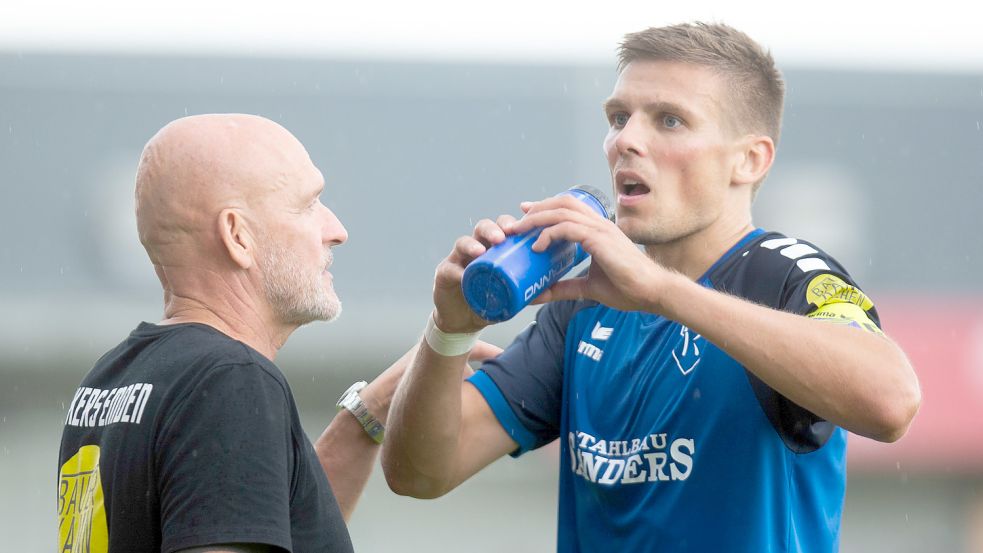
column 351, row 401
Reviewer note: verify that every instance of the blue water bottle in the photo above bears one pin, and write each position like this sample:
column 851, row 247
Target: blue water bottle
column 503, row 280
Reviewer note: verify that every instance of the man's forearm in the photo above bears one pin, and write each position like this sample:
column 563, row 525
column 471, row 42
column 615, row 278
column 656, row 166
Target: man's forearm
column 855, row 379
column 346, row 451
column 348, row 455
column 422, row 439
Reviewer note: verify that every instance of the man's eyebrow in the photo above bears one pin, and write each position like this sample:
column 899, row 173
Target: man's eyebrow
column 612, row 104
column 311, row 196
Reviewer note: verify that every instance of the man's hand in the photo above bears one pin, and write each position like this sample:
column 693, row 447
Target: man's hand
column 620, row 276
column 452, row 313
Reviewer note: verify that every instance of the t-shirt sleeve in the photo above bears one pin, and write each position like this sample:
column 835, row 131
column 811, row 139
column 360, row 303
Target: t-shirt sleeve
column 223, row 462
column 524, row 385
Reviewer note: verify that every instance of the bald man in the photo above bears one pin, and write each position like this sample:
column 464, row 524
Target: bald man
column 185, row 437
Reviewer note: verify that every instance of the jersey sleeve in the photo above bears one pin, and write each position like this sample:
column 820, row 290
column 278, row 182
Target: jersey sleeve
column 524, row 385
column 223, row 460
column 796, row 276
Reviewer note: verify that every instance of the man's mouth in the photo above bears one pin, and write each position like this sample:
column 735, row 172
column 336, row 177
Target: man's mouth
column 630, row 187
column 634, row 188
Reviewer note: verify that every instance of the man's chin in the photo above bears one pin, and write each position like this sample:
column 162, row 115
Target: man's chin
column 300, row 317
column 328, row 306
column 332, row 314
column 634, row 229
column 644, row 235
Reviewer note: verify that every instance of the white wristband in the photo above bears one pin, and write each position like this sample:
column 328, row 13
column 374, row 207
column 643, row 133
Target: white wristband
column 447, row 344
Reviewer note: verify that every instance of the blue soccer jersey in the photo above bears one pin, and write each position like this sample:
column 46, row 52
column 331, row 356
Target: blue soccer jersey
column 669, row 444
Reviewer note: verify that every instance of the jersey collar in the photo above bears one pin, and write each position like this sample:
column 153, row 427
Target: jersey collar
column 705, row 279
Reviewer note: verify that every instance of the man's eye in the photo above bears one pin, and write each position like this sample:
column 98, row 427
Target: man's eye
column 671, row 121
column 619, row 119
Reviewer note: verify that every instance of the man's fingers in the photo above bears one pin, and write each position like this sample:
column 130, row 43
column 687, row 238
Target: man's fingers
column 505, row 221
column 569, row 231
column 449, row 274
column 569, row 289
column 557, row 202
column 488, row 232
column 465, row 249
column 537, row 218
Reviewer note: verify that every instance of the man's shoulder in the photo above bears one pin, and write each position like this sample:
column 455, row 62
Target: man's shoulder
column 176, row 353
column 199, row 341
column 768, row 264
column 211, row 354
column 776, row 251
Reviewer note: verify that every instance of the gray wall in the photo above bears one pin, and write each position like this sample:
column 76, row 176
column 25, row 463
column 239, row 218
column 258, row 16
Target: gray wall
column 883, row 170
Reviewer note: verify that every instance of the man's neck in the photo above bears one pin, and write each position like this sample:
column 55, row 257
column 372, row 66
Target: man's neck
column 239, row 322
column 694, row 254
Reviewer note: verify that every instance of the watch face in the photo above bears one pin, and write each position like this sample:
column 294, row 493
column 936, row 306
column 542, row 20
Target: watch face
column 348, row 397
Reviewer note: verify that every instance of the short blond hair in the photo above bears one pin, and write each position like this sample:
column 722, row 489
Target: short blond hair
column 757, row 86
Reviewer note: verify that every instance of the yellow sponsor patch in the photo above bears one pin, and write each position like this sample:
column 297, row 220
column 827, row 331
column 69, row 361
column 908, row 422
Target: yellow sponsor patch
column 825, row 289
column 81, row 514
column 838, row 302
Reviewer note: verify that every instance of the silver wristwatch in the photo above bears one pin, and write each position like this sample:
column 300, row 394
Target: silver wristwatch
column 350, row 400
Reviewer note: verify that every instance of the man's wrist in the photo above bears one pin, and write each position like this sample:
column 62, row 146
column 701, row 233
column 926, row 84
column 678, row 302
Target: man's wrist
column 448, row 344
column 352, row 402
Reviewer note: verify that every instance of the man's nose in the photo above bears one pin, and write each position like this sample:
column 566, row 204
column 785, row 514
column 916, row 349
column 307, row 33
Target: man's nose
column 631, row 137
column 333, row 232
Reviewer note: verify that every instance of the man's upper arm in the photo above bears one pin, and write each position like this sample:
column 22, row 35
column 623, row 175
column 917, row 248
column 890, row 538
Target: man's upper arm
column 796, row 276
column 483, row 438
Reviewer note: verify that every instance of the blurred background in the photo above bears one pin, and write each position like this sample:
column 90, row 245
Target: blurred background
column 424, row 118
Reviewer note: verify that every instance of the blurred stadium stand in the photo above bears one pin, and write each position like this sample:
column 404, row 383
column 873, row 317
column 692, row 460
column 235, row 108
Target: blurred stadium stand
column 884, row 170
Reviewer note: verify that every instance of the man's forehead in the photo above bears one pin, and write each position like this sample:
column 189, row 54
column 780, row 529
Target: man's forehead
column 305, row 184
column 316, row 186
column 668, row 82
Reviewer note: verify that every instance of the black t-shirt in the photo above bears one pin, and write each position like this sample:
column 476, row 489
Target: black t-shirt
column 182, row 437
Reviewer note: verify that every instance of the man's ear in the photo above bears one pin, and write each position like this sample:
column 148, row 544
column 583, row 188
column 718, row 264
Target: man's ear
column 755, row 156
column 236, row 237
